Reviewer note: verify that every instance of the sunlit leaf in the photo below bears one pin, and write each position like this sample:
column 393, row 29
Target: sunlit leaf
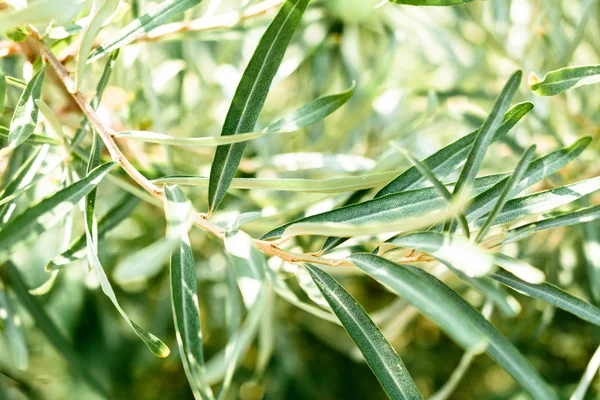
column 552, row 295
column 431, row 2
column 41, row 12
column 163, row 13
column 101, row 11
column 558, row 81
column 184, row 296
column 251, row 94
column 430, row 302
column 25, row 116
column 381, row 357
column 12, row 328
column 44, row 215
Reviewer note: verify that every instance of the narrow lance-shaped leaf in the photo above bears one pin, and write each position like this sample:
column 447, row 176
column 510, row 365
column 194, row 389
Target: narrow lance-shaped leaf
column 184, row 296
column 44, row 215
column 499, row 348
column 113, row 217
column 84, row 125
column 163, row 13
column 12, row 329
column 538, row 169
column 430, row 302
column 41, row 12
column 558, row 81
column 101, row 11
column 386, row 208
column 154, row 344
column 33, row 139
column 445, row 161
column 439, row 186
column 567, row 219
column 308, row 114
column 251, row 94
column 486, row 133
column 49, row 329
column 511, row 185
column 380, row 355
column 552, row 295
column 25, row 116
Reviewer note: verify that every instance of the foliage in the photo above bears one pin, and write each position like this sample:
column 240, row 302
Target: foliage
column 345, row 236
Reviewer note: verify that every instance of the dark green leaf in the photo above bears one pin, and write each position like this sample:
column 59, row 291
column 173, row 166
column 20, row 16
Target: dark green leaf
column 380, row 355
column 558, row 81
column 251, row 94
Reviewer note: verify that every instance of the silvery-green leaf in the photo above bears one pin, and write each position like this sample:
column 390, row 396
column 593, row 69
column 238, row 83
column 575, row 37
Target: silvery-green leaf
column 558, row 81
column 380, row 355
column 446, row 160
column 184, row 295
column 431, row 2
column 33, row 139
column 101, row 11
column 552, row 295
column 383, row 209
column 163, row 13
column 42, row 12
column 44, row 215
column 25, row 117
column 12, row 328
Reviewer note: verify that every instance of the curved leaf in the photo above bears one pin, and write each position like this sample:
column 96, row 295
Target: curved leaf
column 45, row 214
column 251, row 94
column 381, row 357
column 163, row 13
column 558, row 81
column 430, row 302
column 552, row 295
column 25, row 116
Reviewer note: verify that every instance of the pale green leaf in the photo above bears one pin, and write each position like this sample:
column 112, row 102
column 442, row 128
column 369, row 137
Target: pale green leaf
column 12, row 328
column 25, row 116
column 380, row 355
column 2, row 89
column 33, row 139
column 251, row 94
column 45, row 214
column 184, row 296
column 558, row 81
column 42, row 12
column 163, row 13
column 431, row 2
column 102, row 10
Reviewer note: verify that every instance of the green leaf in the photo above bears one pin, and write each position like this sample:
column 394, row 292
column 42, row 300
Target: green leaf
column 312, row 112
column 380, row 355
column 163, row 13
column 538, row 169
column 507, row 191
column 486, row 133
column 49, row 329
column 568, row 219
column 499, row 348
column 208, row 141
column 11, row 324
column 45, row 214
column 543, row 201
column 184, row 296
column 33, row 139
column 106, row 73
column 113, row 217
column 2, row 89
column 457, row 251
column 558, row 81
column 552, row 295
column 25, row 116
column 251, row 94
column 431, row 2
column 386, row 208
column 439, row 186
column 331, row 185
column 445, row 161
column 102, row 10
column 154, row 344
column 430, row 302
column 21, row 179
column 42, row 12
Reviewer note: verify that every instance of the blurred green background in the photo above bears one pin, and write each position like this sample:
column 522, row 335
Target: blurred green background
column 424, row 77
